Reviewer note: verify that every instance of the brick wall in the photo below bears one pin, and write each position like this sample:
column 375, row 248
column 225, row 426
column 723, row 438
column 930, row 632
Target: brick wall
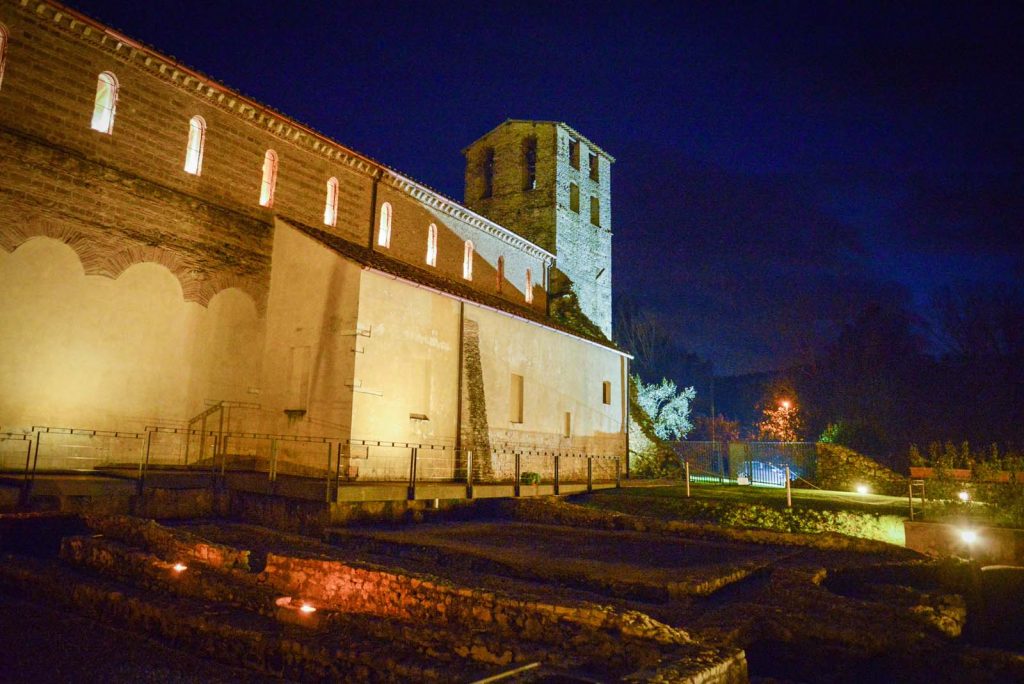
column 129, row 190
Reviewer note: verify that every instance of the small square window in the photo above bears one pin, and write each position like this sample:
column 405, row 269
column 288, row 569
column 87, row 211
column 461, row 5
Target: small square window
column 574, row 197
column 594, row 169
column 606, row 392
column 574, row 153
column 595, row 211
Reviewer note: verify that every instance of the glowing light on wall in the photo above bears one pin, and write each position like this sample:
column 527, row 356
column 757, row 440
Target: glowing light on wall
column 196, row 142
column 432, row 245
column 467, row 261
column 269, row 182
column 384, row 232
column 179, row 567
column 3, row 51
column 529, row 287
column 106, row 103
column 331, row 204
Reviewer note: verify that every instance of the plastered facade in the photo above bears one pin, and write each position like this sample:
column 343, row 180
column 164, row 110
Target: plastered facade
column 134, row 293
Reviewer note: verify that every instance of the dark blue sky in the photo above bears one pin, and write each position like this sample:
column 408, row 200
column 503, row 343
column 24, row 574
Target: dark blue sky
column 779, row 164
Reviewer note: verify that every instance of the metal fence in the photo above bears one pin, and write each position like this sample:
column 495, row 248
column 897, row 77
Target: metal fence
column 761, row 463
column 206, row 446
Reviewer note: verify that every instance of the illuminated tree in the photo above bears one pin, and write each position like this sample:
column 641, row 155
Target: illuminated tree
column 781, row 422
column 668, row 407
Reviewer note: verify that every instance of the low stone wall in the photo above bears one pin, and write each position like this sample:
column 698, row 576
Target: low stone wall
column 169, row 544
column 626, row 638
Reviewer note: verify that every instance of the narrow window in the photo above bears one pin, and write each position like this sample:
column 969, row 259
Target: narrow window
column 488, row 171
column 574, row 197
column 196, row 141
column 530, row 164
column 529, row 287
column 331, row 205
column 269, row 179
column 574, row 153
column 384, row 230
column 467, row 261
column 3, row 51
column 106, row 103
column 594, row 170
column 515, row 399
column 432, row 245
column 595, row 211
column 606, row 392
column 501, row 272
column 567, row 428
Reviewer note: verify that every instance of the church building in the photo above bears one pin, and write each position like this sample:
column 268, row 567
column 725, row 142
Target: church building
column 168, row 245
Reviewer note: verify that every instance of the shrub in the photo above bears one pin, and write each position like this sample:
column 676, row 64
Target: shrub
column 529, row 478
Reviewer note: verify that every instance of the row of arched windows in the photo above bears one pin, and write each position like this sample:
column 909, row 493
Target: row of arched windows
column 468, row 249
column 105, row 109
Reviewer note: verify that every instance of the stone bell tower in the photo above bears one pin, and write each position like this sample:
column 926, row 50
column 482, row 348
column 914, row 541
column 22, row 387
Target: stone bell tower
column 546, row 182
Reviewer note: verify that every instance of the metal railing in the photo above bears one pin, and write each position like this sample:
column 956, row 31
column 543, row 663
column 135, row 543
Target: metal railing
column 761, row 463
column 212, row 449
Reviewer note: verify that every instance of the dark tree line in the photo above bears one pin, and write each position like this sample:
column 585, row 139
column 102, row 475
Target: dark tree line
column 889, row 379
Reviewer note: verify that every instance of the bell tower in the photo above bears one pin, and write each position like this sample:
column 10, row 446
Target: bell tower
column 546, row 182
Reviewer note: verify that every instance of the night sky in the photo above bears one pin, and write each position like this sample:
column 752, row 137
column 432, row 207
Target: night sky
column 779, row 165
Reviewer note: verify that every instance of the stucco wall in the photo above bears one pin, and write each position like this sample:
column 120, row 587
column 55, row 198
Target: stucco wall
column 90, row 351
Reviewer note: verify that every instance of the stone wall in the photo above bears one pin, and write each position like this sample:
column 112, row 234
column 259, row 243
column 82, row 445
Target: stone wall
column 547, row 214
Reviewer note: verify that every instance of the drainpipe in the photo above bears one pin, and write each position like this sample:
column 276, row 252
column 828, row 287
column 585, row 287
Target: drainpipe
column 625, row 395
column 458, row 401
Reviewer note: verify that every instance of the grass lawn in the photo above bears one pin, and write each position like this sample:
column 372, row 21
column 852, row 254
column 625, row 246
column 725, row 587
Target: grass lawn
column 814, row 511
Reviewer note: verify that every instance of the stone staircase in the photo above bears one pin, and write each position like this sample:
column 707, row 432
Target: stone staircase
column 369, row 623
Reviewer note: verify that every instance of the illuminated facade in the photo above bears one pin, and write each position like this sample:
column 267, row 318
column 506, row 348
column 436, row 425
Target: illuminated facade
column 166, row 243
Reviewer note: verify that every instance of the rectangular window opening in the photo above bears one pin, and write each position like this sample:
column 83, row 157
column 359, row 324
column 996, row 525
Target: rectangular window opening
column 594, row 170
column 515, row 402
column 574, row 197
column 574, row 153
column 606, row 392
column 530, row 164
column 595, row 211
column 567, row 428
column 488, row 173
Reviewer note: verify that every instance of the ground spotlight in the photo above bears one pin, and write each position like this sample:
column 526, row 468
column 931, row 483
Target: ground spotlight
column 968, row 536
column 179, row 567
column 964, row 496
column 863, row 489
column 307, row 608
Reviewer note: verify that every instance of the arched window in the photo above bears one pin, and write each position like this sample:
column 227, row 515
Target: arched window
column 501, row 272
column 4, row 37
column 432, row 245
column 269, row 182
column 106, row 103
column 384, row 232
column 529, row 287
column 331, row 205
column 196, row 140
column 467, row 261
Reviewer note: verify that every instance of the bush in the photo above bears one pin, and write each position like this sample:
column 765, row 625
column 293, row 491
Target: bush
column 529, row 478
